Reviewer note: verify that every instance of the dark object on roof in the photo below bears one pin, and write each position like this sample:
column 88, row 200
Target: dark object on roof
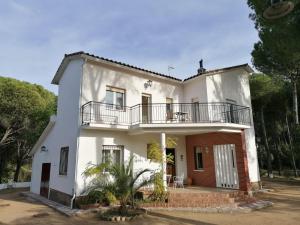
column 201, row 68
column 221, row 70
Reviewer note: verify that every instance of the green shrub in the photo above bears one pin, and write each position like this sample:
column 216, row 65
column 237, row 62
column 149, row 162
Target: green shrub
column 159, row 193
column 110, row 198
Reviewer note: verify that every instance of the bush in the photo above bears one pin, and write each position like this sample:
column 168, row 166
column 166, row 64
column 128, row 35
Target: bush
column 85, row 200
column 159, row 193
column 110, row 198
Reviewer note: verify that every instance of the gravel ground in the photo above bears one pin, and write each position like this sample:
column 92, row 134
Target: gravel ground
column 15, row 209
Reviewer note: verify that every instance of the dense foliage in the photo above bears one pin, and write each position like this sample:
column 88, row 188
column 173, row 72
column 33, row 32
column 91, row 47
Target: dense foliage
column 117, row 180
column 275, row 95
column 277, row 142
column 24, row 113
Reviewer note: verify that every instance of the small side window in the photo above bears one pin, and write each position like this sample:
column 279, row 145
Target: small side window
column 198, row 158
column 63, row 162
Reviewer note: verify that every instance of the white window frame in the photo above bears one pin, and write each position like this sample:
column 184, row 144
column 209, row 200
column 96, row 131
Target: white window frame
column 112, row 148
column 114, row 104
column 63, row 169
column 197, row 150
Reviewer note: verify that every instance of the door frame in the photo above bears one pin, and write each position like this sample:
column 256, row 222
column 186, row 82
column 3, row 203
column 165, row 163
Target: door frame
column 169, row 109
column 195, row 110
column 174, row 169
column 226, row 170
column 48, row 171
column 149, row 108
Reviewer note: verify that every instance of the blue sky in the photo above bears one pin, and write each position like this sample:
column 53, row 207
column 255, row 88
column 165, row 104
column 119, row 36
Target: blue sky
column 152, row 34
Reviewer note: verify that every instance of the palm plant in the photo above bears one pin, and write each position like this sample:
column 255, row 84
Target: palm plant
column 118, row 179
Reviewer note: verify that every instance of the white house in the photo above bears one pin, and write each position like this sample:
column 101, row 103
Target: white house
column 108, row 108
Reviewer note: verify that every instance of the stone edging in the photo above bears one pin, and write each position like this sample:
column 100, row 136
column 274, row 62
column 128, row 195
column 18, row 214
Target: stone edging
column 260, row 204
column 247, row 208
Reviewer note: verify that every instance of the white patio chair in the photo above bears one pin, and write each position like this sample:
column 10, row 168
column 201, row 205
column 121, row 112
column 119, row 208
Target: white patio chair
column 178, row 181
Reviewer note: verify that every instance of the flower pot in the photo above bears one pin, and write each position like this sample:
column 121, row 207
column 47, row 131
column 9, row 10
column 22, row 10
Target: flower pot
column 189, row 181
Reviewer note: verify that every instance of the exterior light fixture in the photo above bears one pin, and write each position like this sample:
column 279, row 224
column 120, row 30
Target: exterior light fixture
column 44, row 149
column 148, row 83
column 181, row 157
column 278, row 9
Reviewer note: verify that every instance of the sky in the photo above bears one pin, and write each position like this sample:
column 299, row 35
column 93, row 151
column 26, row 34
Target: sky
column 151, row 34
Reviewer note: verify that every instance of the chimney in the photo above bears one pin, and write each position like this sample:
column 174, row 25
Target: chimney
column 201, row 69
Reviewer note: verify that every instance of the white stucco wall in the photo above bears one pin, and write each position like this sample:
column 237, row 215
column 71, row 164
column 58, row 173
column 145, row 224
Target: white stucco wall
column 235, row 85
column 64, row 133
column 97, row 76
column 90, row 151
column 195, row 89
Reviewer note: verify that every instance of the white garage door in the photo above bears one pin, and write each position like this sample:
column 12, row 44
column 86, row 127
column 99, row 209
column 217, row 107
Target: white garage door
column 225, row 166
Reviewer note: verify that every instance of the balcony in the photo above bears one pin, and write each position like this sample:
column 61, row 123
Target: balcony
column 165, row 115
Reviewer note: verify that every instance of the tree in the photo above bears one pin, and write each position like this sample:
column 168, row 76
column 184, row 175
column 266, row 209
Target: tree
column 272, row 115
column 278, row 51
column 262, row 89
column 24, row 112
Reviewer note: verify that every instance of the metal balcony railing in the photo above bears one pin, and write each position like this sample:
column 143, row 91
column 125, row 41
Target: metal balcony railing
column 162, row 113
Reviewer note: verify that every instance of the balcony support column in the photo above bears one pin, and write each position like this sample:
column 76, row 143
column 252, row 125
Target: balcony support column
column 164, row 158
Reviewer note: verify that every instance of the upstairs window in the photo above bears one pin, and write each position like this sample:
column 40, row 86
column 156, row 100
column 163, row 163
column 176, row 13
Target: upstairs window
column 63, row 162
column 198, row 158
column 112, row 154
column 115, row 98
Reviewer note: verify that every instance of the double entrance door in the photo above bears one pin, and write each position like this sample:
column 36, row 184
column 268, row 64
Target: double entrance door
column 225, row 166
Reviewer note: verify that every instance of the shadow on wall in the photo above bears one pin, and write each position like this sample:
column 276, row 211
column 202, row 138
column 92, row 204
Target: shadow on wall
column 222, row 84
column 100, row 138
column 97, row 77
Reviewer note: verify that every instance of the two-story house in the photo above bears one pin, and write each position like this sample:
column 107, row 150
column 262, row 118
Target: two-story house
column 108, row 109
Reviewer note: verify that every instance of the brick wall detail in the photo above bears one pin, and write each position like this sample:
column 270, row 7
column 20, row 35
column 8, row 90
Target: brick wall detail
column 206, row 177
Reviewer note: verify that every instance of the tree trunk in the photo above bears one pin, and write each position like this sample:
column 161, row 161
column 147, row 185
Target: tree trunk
column 295, row 102
column 17, row 171
column 293, row 161
column 279, row 159
column 269, row 165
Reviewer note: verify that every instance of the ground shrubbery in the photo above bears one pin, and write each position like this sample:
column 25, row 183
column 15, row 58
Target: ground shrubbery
column 114, row 183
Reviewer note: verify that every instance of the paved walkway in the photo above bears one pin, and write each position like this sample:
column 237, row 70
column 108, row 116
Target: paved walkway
column 57, row 206
column 247, row 208
column 71, row 212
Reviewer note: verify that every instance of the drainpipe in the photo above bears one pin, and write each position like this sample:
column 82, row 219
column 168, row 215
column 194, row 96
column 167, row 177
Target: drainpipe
column 72, row 200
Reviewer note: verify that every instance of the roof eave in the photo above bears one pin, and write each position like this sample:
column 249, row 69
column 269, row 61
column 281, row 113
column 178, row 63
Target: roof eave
column 44, row 134
column 76, row 55
column 63, row 65
column 246, row 67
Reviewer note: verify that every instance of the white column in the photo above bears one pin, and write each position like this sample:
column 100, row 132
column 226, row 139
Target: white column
column 164, row 163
